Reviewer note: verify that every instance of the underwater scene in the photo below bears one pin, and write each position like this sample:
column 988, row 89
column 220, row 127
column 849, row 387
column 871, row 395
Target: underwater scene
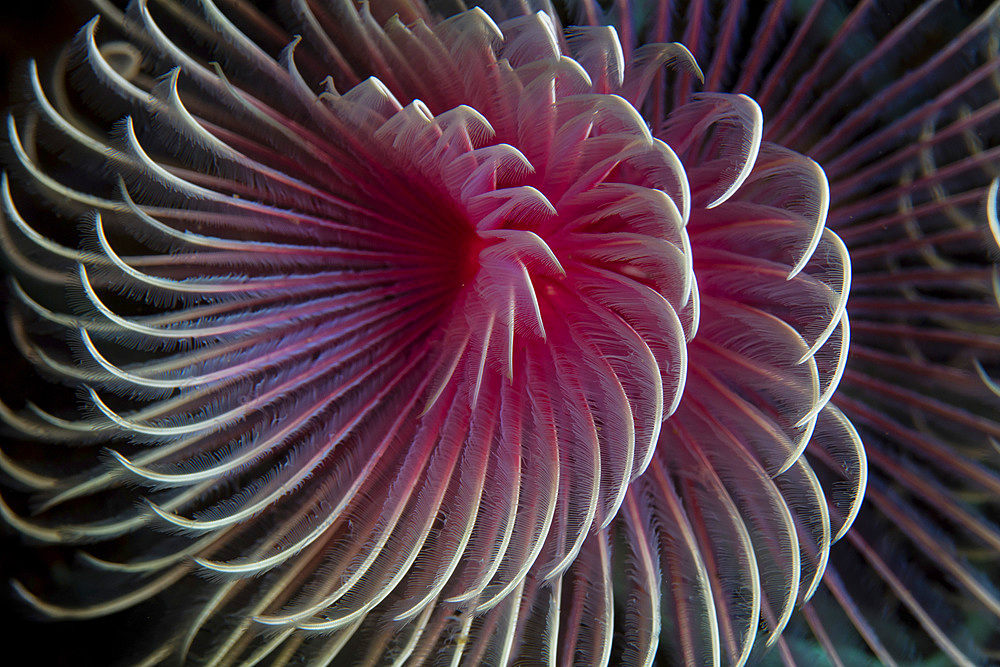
column 518, row 332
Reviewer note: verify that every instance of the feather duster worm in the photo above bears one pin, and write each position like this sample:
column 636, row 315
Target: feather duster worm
column 371, row 363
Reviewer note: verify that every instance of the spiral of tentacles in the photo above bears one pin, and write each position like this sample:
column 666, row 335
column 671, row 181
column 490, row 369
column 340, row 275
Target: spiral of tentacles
column 382, row 355
column 731, row 526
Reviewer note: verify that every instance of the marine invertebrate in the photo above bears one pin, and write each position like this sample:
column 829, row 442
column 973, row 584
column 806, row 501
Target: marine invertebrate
column 385, row 357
